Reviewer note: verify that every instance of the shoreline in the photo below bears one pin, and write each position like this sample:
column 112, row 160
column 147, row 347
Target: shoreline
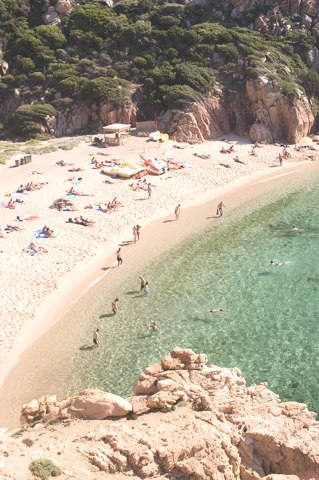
column 234, row 193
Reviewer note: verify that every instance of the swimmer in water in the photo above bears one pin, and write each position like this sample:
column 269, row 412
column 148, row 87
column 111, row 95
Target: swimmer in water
column 153, row 326
column 296, row 229
column 273, row 263
column 216, row 310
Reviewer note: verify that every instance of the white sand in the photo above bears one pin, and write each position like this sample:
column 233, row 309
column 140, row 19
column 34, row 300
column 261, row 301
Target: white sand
column 35, row 289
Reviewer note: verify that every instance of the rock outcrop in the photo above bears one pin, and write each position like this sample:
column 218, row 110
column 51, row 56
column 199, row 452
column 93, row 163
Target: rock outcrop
column 55, row 14
column 288, row 7
column 186, row 420
column 263, row 112
column 274, row 116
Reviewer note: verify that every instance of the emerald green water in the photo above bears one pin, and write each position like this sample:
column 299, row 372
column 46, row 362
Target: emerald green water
column 270, row 326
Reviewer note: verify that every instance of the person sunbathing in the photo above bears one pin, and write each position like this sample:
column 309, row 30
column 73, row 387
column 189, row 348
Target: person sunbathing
column 78, row 169
column 61, row 163
column 36, row 248
column 30, row 186
column 83, row 221
column 71, row 191
column 12, row 228
column 11, row 203
column 236, row 159
column 87, row 221
column 47, row 232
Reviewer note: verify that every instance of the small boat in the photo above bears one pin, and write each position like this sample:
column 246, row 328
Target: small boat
column 154, row 167
column 123, row 170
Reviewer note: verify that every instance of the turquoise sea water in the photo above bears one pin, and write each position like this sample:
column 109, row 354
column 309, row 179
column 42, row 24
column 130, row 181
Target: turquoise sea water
column 270, row 328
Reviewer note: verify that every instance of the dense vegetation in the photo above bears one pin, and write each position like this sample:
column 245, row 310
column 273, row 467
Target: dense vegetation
column 169, row 53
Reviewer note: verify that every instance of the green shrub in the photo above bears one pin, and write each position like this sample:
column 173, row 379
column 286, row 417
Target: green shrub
column 107, row 89
column 44, row 469
column 229, row 52
column 37, row 78
column 25, row 65
column 179, row 96
column 61, row 103
column 51, row 36
column 29, row 120
column 71, row 86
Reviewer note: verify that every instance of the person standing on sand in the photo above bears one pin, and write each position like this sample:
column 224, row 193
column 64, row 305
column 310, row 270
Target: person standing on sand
column 219, row 211
column 96, row 337
column 142, row 282
column 146, row 287
column 280, row 159
column 138, row 228
column 119, row 257
column 177, row 211
column 115, row 307
column 134, row 233
column 149, row 191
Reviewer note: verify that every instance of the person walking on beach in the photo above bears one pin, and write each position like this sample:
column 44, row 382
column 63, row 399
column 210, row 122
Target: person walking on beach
column 119, row 257
column 138, row 228
column 177, row 211
column 146, row 288
column 134, row 233
column 149, row 191
column 96, row 337
column 220, row 207
column 142, row 282
column 115, row 307
column 280, row 159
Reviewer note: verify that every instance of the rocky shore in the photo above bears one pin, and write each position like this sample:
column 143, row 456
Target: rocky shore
column 186, row 420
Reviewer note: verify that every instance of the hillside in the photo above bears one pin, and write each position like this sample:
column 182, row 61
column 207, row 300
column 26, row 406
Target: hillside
column 202, row 68
column 185, row 421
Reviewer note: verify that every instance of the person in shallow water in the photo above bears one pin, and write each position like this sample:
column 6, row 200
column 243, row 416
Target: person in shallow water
column 153, row 326
column 115, row 307
column 96, row 337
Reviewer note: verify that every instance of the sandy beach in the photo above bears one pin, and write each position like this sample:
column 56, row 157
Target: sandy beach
column 38, row 289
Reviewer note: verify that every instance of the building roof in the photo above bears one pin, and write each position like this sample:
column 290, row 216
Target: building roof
column 117, row 127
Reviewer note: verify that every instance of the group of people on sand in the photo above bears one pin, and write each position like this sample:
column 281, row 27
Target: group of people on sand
column 30, row 186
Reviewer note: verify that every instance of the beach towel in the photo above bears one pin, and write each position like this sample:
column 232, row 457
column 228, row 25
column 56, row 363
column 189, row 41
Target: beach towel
column 39, row 233
column 71, row 195
column 30, row 251
column 77, row 181
column 33, row 217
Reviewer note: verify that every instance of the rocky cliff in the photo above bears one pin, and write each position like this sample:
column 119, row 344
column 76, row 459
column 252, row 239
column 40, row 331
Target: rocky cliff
column 202, row 68
column 186, row 420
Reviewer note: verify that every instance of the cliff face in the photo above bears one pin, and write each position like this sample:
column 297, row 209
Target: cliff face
column 186, row 420
column 263, row 113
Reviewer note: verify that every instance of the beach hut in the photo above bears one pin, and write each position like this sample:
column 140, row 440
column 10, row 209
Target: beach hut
column 113, row 133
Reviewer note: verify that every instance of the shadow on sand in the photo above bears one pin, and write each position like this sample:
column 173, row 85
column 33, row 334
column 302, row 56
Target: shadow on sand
column 87, row 347
column 106, row 315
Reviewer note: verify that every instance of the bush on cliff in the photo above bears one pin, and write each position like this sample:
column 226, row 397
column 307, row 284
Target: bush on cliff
column 107, row 89
column 30, row 120
column 44, row 469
